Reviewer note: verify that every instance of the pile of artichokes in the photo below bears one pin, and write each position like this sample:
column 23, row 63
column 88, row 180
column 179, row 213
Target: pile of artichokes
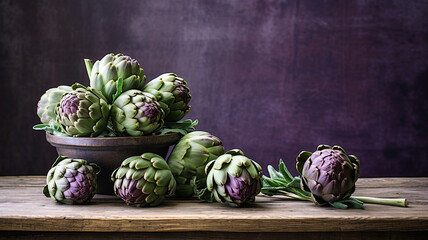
column 197, row 166
column 117, row 102
column 202, row 168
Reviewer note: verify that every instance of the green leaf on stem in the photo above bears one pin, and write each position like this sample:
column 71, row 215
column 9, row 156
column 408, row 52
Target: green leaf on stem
column 119, row 88
column 273, row 173
column 53, row 128
column 295, row 183
column 182, row 127
column 284, row 171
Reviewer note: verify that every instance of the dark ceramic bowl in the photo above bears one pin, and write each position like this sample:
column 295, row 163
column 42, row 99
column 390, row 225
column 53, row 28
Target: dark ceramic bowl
column 109, row 152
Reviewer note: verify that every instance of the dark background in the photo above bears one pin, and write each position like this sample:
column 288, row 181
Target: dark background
column 270, row 77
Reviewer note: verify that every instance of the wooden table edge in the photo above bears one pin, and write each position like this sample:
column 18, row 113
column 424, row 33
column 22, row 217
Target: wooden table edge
column 212, row 225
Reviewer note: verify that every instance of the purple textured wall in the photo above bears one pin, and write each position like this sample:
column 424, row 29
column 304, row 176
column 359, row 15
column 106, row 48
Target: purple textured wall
column 270, row 77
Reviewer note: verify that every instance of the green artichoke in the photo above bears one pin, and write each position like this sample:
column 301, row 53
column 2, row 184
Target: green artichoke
column 136, row 113
column 172, row 94
column 71, row 181
column 234, row 179
column 49, row 101
column 104, row 74
column 328, row 173
column 143, row 180
column 189, row 158
column 82, row 112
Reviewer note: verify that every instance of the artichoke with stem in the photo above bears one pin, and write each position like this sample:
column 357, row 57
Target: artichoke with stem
column 188, row 160
column 104, row 74
column 71, row 181
column 234, row 178
column 325, row 180
column 143, row 180
column 328, row 173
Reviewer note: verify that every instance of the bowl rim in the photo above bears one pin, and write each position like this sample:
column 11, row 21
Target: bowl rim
column 169, row 138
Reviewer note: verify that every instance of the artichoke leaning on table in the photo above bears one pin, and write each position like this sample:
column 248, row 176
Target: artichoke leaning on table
column 104, row 74
column 143, row 180
column 328, row 173
column 136, row 113
column 49, row 101
column 71, row 181
column 82, row 112
column 172, row 94
column 234, row 179
column 189, row 158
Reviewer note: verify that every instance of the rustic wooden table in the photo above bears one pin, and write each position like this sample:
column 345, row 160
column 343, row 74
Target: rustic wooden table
column 26, row 213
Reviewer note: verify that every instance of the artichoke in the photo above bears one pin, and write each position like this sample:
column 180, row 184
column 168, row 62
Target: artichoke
column 173, row 95
column 328, row 173
column 136, row 113
column 82, row 112
column 234, row 179
column 71, row 181
column 189, row 158
column 49, row 101
column 143, row 180
column 104, row 74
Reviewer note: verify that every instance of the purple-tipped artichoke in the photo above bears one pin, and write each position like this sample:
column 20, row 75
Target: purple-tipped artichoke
column 82, row 112
column 173, row 95
column 136, row 113
column 234, row 178
column 241, row 189
column 129, row 192
column 328, row 173
column 143, row 180
column 71, row 181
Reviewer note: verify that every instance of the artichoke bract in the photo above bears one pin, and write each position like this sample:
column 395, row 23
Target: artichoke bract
column 49, row 101
column 328, row 173
column 105, row 73
column 71, row 181
column 189, row 158
column 143, row 180
column 136, row 113
column 234, row 179
column 82, row 112
column 173, row 95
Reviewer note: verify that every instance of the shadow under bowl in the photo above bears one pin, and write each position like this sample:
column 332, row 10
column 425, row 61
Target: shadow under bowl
column 109, row 152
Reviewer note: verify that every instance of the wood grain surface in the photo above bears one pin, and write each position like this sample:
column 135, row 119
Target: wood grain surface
column 23, row 207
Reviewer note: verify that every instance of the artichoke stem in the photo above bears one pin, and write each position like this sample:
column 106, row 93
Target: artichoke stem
column 88, row 64
column 401, row 202
column 295, row 196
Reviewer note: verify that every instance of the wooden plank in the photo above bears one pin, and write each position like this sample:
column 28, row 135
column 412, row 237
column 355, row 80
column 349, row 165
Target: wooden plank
column 23, row 207
column 214, row 235
column 19, row 181
column 414, row 182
